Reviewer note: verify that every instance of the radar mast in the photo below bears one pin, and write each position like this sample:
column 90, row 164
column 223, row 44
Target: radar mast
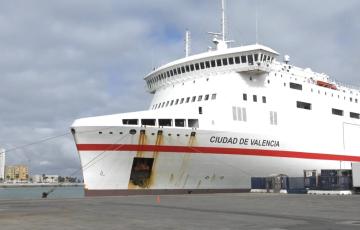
column 221, row 43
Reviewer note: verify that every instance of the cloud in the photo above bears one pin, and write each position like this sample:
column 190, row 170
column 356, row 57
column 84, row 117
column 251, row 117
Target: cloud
column 61, row 60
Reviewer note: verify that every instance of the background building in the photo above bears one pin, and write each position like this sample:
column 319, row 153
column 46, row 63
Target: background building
column 44, row 178
column 17, row 173
column 2, row 165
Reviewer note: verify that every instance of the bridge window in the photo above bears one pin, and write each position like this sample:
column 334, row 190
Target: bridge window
column 177, row 101
column 256, row 57
column 171, row 73
column 130, row 121
column 225, row 61
column 193, row 123
column 182, row 100
column 218, row 62
column 193, row 99
column 149, row 122
column 337, row 112
column 180, row 122
column 187, row 99
column 237, row 60
column 250, row 59
column 207, row 63
column 172, row 102
column 213, row 96
column 182, row 69
column 213, row 64
column 197, row 66
column 206, row 97
column 165, row 122
column 202, row 65
column 264, row 99
column 231, row 61
column 243, row 59
column 200, row 98
column 187, row 68
column 179, row 70
column 192, row 67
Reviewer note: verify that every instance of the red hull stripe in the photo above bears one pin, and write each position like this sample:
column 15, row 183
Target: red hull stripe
column 216, row 150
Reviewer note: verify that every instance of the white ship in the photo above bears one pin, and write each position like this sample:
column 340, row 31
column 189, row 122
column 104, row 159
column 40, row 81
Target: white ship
column 217, row 119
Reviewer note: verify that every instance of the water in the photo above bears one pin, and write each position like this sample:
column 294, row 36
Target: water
column 36, row 192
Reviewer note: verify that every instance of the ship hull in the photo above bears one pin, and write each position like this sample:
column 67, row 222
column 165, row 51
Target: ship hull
column 173, row 161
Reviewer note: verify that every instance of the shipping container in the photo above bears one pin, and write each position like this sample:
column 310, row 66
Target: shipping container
column 335, row 182
column 310, row 173
column 329, row 172
column 328, row 182
column 356, row 176
column 295, row 183
column 345, row 182
column 258, row 183
column 336, row 172
column 310, row 182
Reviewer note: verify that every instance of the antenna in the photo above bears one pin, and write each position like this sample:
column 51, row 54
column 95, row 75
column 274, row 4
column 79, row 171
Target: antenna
column 256, row 26
column 187, row 43
column 223, row 20
column 220, row 38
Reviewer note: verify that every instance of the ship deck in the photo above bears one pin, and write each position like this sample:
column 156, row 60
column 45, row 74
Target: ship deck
column 217, row 211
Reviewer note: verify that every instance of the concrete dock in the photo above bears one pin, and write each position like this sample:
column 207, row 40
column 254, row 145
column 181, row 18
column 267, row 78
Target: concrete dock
column 217, row 211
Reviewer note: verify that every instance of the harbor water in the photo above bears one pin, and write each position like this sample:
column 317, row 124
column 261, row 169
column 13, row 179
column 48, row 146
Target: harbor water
column 19, row 193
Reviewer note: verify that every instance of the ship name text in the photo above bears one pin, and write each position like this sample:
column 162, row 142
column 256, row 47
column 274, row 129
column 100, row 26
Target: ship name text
column 244, row 141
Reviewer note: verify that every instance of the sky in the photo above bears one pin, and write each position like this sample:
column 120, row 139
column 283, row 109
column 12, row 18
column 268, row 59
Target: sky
column 63, row 60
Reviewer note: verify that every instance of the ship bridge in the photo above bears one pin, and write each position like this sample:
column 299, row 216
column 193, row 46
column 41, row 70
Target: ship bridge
column 250, row 59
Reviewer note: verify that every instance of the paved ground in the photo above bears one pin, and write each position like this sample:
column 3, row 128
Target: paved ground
column 221, row 211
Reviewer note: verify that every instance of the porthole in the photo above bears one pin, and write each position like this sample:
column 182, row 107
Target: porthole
column 132, row 131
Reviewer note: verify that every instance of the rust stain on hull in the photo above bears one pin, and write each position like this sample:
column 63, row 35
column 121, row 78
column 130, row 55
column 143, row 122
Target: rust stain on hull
column 159, row 141
column 185, row 162
column 142, row 141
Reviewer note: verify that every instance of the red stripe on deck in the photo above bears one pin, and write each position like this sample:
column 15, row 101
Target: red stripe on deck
column 216, row 150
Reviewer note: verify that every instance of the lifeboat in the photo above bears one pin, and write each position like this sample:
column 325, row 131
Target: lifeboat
column 326, row 85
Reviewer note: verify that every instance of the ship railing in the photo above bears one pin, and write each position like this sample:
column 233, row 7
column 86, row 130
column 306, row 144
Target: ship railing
column 346, row 85
column 256, row 67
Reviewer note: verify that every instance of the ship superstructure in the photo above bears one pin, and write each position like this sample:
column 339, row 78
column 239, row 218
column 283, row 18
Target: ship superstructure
column 217, row 119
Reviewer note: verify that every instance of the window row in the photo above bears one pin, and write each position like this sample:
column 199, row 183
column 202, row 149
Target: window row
column 183, row 100
column 297, row 86
column 338, row 112
column 254, row 98
column 191, row 123
column 239, row 114
column 243, row 59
